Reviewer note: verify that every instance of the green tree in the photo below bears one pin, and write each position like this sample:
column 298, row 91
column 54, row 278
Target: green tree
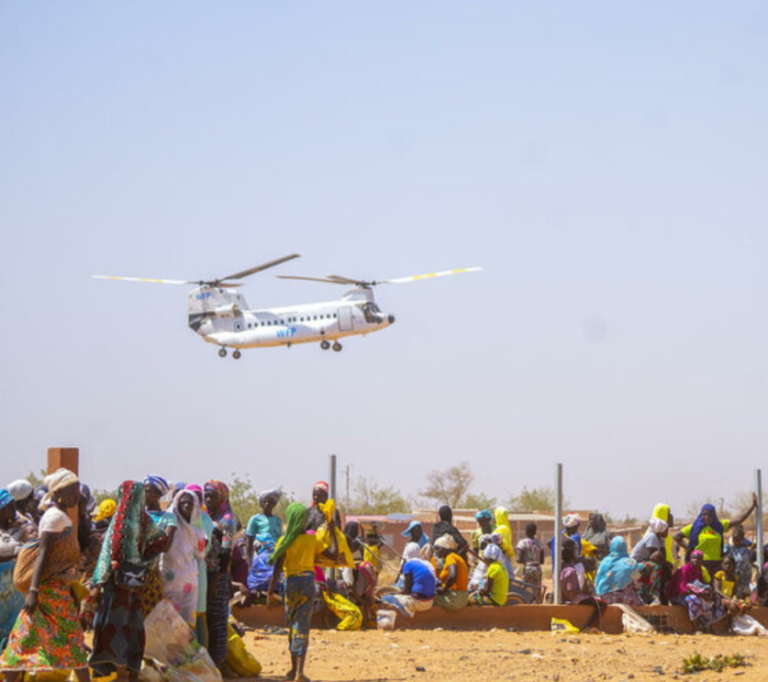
column 449, row 486
column 535, row 499
column 478, row 501
column 36, row 480
column 369, row 498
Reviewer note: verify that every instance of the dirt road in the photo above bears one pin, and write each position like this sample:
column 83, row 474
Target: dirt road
column 426, row 656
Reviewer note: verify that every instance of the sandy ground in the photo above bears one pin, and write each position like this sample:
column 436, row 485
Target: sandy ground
column 374, row 656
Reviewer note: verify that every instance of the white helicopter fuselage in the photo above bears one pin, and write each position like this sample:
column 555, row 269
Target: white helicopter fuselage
column 221, row 316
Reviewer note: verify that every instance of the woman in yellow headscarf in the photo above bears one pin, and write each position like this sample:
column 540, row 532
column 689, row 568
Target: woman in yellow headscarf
column 661, row 511
column 501, row 516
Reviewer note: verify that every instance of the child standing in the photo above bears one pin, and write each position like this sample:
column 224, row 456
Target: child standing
column 530, row 553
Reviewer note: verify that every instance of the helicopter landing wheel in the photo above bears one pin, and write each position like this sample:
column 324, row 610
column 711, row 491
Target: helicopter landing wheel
column 325, row 345
column 236, row 355
column 337, row 346
column 222, row 352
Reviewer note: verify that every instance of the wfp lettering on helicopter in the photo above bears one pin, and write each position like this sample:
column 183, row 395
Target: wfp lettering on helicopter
column 205, row 294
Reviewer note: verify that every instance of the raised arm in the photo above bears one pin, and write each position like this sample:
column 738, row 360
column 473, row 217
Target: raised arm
column 741, row 519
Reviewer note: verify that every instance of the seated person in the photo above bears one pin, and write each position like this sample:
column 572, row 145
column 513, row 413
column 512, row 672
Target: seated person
column 741, row 550
column 445, row 527
column 615, row 581
column 418, row 592
column 691, row 587
column 649, row 581
column 653, row 540
column 415, row 533
column 260, row 572
column 573, row 583
column 452, row 592
column 496, row 586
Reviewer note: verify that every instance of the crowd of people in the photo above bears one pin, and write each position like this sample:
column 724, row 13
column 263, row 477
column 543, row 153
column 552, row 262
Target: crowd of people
column 184, row 543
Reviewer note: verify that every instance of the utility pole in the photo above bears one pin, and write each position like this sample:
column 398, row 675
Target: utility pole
column 557, row 599
column 346, row 499
column 332, row 477
column 759, row 520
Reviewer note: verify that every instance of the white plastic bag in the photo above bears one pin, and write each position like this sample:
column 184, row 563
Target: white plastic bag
column 171, row 642
column 385, row 619
column 746, row 625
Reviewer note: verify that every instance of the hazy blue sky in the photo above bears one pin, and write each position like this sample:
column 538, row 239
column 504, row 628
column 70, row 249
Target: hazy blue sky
column 605, row 162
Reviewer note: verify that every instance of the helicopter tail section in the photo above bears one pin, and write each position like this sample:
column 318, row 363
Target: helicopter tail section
column 213, row 309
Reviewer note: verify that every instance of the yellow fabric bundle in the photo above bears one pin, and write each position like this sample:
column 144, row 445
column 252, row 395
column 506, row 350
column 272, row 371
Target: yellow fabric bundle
column 345, row 559
column 239, row 658
column 351, row 616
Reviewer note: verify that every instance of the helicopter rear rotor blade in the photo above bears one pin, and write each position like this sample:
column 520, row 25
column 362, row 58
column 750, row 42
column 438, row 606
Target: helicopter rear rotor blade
column 429, row 275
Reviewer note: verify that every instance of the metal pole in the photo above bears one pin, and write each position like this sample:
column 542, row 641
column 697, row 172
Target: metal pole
column 346, row 499
column 558, row 534
column 759, row 521
column 332, row 477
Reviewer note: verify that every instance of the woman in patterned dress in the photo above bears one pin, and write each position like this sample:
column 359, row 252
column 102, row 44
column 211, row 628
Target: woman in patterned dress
column 47, row 633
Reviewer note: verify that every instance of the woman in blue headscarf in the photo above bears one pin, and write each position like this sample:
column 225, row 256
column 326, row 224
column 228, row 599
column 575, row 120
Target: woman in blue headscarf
column 707, row 533
column 615, row 581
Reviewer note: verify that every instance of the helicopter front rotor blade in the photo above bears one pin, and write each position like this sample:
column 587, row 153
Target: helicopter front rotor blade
column 258, row 268
column 429, row 275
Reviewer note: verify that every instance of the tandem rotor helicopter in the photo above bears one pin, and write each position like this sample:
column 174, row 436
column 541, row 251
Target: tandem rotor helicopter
column 222, row 317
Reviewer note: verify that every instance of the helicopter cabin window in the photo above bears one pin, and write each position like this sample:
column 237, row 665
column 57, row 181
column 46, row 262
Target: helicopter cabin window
column 371, row 312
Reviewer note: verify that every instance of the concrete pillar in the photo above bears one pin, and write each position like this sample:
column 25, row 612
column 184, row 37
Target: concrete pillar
column 65, row 458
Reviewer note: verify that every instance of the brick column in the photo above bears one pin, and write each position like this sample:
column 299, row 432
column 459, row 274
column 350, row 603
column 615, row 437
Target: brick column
column 65, row 458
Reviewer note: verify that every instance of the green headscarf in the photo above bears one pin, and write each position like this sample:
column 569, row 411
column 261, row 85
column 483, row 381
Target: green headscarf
column 296, row 524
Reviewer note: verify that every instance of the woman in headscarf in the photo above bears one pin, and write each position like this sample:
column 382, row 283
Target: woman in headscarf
column 47, row 633
column 216, row 496
column 504, row 530
column 615, row 581
column 598, row 535
column 496, row 586
column 574, row 586
column 179, row 563
column 104, row 514
column 652, row 541
column 131, row 543
column 445, row 527
column 201, row 627
column 453, row 573
column 11, row 600
column 265, row 523
column 155, row 488
column 530, row 553
column 296, row 554
column 361, row 580
column 707, row 534
column 23, row 494
column 484, row 520
column 691, row 586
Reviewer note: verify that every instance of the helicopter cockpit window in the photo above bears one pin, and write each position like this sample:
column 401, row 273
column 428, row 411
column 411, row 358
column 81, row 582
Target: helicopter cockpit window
column 371, row 312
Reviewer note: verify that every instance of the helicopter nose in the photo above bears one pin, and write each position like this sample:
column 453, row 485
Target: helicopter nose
column 391, row 319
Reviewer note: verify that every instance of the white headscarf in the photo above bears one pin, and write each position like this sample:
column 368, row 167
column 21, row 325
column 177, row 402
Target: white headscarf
column 571, row 520
column 20, row 489
column 63, row 478
column 446, row 542
column 657, row 525
column 492, row 552
column 274, row 494
column 412, row 551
